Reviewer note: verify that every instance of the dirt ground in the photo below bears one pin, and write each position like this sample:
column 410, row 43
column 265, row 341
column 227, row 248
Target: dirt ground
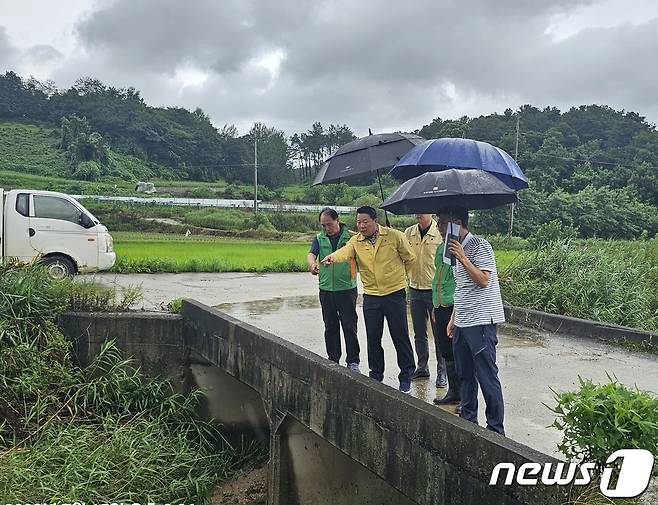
column 246, row 489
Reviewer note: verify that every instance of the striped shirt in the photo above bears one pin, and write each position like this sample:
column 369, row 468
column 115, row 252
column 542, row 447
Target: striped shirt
column 474, row 305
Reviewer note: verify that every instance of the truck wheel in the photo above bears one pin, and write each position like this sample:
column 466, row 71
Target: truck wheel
column 59, row 267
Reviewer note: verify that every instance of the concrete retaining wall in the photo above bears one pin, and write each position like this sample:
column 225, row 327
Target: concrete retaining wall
column 578, row 327
column 335, row 437
column 154, row 340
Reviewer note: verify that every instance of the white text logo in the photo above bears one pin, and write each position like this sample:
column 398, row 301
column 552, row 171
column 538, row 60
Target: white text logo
column 632, row 477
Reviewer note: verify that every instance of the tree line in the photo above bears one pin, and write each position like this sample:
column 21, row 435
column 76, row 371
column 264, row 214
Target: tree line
column 185, row 142
column 589, row 157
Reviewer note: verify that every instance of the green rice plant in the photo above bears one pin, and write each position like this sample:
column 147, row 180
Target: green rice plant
column 157, row 253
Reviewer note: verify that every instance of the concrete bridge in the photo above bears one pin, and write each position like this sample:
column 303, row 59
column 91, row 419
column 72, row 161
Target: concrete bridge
column 335, row 437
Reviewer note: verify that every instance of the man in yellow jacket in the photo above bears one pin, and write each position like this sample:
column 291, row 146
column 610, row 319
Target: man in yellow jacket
column 424, row 238
column 384, row 257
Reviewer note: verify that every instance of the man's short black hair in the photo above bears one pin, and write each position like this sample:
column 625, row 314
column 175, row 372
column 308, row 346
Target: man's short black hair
column 330, row 212
column 366, row 209
column 456, row 212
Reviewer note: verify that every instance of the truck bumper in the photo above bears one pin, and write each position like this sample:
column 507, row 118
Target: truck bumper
column 106, row 260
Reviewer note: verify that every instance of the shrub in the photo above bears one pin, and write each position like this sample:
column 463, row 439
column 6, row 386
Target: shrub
column 87, row 171
column 259, row 221
column 599, row 419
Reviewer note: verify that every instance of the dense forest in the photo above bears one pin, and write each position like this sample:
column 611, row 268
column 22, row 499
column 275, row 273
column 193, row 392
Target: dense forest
column 592, row 168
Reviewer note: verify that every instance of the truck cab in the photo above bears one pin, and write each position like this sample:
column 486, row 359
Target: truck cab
column 56, row 228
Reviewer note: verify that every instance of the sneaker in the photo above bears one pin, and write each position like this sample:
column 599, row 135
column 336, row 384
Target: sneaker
column 442, row 381
column 420, row 373
column 405, row 387
column 354, row 367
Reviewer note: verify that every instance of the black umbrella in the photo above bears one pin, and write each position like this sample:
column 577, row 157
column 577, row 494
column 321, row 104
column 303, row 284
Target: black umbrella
column 371, row 154
column 366, row 155
column 470, row 189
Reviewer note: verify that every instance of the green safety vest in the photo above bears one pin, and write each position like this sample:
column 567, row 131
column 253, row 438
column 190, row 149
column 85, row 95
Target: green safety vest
column 337, row 276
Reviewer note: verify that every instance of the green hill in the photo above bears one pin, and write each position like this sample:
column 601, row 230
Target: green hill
column 28, row 149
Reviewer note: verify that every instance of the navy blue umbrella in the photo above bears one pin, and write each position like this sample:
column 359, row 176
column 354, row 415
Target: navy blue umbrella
column 441, row 154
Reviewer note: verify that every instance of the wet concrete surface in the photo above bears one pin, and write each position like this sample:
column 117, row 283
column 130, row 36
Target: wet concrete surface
column 531, row 363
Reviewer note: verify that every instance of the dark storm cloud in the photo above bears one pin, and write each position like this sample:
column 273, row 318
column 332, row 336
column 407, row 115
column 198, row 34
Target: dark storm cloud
column 368, row 63
column 160, row 35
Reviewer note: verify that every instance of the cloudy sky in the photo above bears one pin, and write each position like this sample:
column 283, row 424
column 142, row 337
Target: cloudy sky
column 380, row 64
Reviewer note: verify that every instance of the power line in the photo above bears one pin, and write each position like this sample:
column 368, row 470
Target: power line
column 585, row 160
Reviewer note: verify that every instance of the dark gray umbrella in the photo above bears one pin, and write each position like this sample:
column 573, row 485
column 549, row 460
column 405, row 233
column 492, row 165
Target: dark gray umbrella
column 371, row 154
column 367, row 155
column 470, row 189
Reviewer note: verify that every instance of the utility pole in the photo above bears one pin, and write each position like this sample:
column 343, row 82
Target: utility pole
column 516, row 158
column 255, row 174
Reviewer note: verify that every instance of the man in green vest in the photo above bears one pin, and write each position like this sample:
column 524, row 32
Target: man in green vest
column 337, row 289
column 443, row 295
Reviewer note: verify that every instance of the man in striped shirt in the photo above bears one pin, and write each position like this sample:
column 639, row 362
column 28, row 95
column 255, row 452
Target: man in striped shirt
column 478, row 308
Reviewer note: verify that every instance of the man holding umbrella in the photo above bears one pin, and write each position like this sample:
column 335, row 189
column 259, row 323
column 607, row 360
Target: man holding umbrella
column 384, row 257
column 477, row 302
column 478, row 308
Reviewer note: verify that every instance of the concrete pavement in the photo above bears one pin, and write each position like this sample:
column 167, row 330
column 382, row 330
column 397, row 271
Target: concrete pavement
column 531, row 363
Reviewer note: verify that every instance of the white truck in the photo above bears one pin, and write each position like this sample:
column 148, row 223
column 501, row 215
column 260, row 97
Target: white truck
column 55, row 227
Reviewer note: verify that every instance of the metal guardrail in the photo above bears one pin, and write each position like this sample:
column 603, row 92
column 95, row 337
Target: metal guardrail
column 215, row 202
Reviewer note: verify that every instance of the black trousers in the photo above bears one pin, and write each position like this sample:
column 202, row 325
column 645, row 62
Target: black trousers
column 393, row 308
column 339, row 309
column 440, row 328
column 420, row 302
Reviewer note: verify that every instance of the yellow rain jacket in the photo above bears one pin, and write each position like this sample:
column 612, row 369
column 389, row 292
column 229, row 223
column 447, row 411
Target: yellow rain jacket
column 383, row 267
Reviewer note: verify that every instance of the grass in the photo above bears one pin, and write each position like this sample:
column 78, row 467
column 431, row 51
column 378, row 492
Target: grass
column 505, row 258
column 100, row 433
column 148, row 253
column 610, row 281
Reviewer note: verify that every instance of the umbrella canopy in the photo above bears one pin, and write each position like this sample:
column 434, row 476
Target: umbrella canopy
column 441, row 154
column 373, row 153
column 470, row 189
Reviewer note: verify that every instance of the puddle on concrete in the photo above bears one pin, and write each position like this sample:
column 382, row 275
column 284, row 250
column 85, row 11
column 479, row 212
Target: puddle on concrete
column 509, row 335
column 512, row 336
column 272, row 305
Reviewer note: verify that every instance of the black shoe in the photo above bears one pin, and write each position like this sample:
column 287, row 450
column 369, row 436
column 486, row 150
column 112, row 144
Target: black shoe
column 450, row 398
column 420, row 373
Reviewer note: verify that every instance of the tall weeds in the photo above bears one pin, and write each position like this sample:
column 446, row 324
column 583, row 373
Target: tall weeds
column 99, row 434
column 609, row 281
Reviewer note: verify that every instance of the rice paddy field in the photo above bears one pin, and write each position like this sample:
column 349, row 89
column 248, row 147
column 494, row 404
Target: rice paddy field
column 159, row 252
